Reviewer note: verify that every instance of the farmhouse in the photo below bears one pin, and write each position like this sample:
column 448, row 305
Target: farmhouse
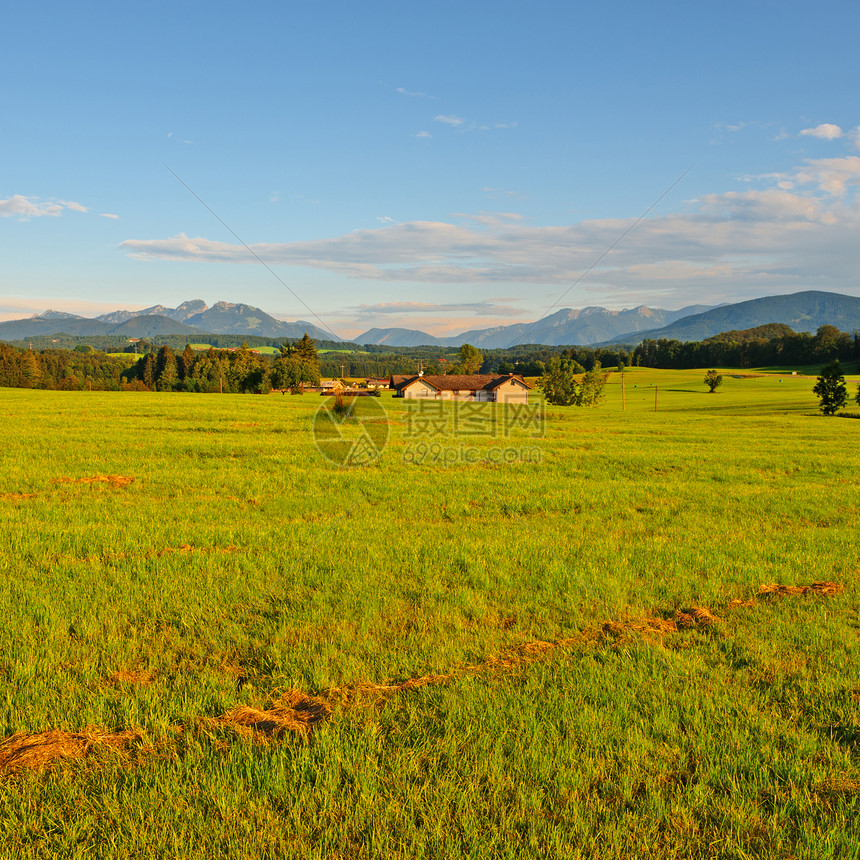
column 478, row 387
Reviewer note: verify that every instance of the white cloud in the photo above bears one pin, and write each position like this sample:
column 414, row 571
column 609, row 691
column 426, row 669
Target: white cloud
column 25, row 208
column 825, row 131
column 489, row 219
column 405, row 92
column 462, row 124
column 831, row 175
column 722, row 244
column 757, row 206
column 423, row 134
column 109, row 215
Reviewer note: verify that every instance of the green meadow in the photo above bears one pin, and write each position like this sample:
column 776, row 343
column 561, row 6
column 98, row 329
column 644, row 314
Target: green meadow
column 565, row 652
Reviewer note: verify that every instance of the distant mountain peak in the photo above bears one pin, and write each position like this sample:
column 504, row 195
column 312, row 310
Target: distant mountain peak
column 56, row 315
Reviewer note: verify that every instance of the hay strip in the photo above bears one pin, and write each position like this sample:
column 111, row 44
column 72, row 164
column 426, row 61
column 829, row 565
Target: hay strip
column 295, row 712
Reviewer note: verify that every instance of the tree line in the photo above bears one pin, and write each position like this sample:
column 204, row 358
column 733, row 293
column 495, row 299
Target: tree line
column 229, row 370
column 240, row 371
column 773, row 344
column 164, row 367
column 63, row 369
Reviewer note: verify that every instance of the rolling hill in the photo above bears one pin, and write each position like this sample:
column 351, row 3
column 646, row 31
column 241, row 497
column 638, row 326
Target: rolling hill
column 804, row 311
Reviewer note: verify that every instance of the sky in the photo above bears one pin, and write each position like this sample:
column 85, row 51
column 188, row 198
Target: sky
column 440, row 166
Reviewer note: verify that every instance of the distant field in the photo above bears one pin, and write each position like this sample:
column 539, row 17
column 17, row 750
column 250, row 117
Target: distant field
column 849, row 367
column 255, row 653
column 264, row 350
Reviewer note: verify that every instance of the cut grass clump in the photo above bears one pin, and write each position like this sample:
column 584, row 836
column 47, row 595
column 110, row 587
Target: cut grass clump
column 132, row 677
column 773, row 589
column 814, row 588
column 113, row 480
column 294, row 712
column 22, row 751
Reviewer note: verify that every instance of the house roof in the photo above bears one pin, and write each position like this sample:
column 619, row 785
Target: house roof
column 397, row 381
column 453, row 382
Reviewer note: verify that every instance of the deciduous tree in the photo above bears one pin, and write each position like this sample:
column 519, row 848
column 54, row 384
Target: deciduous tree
column 713, row 380
column 470, row 359
column 830, row 388
column 560, row 381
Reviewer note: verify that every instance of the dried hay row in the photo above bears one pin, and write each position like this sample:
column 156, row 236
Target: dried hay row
column 188, row 548
column 295, row 712
column 113, row 480
column 283, row 716
column 17, row 497
column 815, row 587
column 775, row 590
column 184, row 549
column 37, row 751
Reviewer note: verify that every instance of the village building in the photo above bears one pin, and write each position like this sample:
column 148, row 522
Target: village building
column 477, row 387
column 373, row 383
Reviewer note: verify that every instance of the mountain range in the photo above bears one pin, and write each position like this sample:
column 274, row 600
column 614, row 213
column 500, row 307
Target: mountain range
column 190, row 318
column 567, row 326
column 804, row 311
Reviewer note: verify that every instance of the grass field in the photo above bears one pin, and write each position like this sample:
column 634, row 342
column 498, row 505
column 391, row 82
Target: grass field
column 217, row 644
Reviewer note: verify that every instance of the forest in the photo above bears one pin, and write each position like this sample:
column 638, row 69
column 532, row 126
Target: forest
column 224, row 366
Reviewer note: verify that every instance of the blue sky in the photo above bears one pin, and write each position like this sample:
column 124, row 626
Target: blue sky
column 439, row 166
